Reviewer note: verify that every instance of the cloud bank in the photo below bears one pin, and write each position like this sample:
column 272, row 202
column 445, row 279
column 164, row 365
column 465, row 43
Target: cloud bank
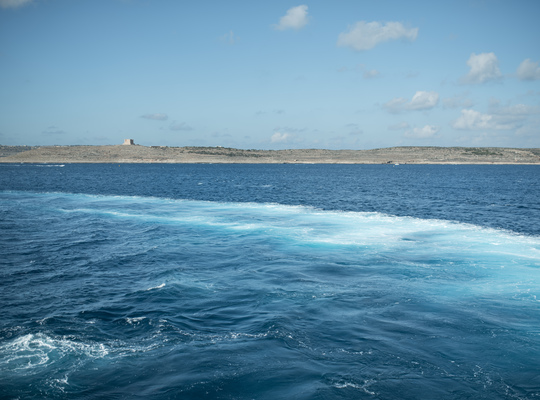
column 366, row 35
column 295, row 18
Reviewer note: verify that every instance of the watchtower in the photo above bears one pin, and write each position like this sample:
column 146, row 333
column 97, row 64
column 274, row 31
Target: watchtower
column 128, row 142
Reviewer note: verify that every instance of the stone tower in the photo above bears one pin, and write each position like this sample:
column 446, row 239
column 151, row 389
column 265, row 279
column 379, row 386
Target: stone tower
column 128, row 142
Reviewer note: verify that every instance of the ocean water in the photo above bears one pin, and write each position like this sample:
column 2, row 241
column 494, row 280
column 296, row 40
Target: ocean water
column 269, row 281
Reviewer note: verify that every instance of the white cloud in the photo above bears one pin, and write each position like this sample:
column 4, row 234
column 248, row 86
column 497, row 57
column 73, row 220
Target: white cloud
column 484, row 67
column 366, row 35
column 423, row 100
column 420, row 101
column 295, row 18
column 13, row 3
column 472, row 120
column 528, row 70
column 159, row 117
column 280, row 137
column 475, row 120
column 180, row 126
column 426, row 132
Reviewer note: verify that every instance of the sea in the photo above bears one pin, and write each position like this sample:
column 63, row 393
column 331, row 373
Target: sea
column 283, row 281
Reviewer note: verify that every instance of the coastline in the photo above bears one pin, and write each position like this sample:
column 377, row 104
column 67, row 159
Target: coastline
column 123, row 154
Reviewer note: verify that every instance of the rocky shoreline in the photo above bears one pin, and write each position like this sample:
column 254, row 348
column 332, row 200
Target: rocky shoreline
column 164, row 154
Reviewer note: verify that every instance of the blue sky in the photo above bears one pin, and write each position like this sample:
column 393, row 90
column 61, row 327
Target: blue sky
column 270, row 74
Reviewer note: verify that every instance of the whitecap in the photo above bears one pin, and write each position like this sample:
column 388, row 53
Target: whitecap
column 348, row 384
column 157, row 287
column 134, row 321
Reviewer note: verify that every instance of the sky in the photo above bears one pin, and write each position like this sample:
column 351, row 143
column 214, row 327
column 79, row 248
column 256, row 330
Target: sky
column 274, row 74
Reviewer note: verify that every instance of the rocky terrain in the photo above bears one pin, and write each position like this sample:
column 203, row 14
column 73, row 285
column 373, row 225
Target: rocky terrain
column 164, row 154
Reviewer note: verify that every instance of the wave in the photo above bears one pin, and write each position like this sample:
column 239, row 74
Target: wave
column 157, row 287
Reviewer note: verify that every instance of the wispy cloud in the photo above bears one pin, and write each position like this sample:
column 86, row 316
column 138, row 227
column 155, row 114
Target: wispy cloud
column 420, row 101
column 528, row 70
column 295, row 18
column 354, row 129
column 53, row 130
column 286, row 135
column 370, row 74
column 366, row 73
column 159, row 117
column 13, row 3
column 397, row 127
column 279, row 137
column 484, row 67
column 229, row 38
column 366, row 35
column 426, row 132
column 277, row 111
column 519, row 110
column 459, row 101
column 180, row 126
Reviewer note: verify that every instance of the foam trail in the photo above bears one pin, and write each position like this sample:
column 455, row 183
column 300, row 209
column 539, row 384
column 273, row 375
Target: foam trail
column 203, row 299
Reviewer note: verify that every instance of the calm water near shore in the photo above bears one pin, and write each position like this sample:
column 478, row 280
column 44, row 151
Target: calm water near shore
column 269, row 281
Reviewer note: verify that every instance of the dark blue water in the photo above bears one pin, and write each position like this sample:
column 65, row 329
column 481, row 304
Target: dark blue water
column 269, row 281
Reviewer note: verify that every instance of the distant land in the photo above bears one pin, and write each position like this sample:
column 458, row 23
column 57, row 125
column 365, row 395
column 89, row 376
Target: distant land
column 164, row 154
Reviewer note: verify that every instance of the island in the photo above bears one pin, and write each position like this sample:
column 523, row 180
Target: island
column 132, row 153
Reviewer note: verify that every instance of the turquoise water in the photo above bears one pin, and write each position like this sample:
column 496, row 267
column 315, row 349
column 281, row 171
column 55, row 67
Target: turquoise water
column 287, row 281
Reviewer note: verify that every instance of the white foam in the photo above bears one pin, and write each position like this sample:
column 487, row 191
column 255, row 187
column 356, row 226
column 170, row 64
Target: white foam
column 364, row 387
column 307, row 225
column 134, row 321
column 34, row 350
column 157, row 287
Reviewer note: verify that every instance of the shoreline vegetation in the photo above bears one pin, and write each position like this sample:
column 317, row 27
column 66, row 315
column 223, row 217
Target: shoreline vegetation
column 192, row 155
